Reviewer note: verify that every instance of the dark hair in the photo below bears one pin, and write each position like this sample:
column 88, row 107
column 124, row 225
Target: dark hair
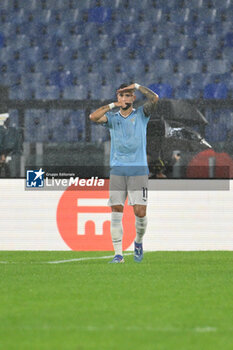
column 122, row 86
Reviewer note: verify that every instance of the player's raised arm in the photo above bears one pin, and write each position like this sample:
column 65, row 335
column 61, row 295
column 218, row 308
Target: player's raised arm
column 99, row 116
column 150, row 95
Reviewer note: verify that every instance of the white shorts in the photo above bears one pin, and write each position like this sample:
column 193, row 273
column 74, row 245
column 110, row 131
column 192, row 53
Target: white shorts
column 136, row 187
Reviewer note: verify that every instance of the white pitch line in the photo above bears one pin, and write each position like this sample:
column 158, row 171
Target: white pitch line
column 84, row 259
column 205, row 329
column 4, row 262
column 114, row 328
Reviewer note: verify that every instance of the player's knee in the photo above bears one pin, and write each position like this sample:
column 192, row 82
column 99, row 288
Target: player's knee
column 117, row 208
column 140, row 210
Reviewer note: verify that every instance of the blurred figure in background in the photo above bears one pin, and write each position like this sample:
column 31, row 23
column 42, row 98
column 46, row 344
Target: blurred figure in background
column 11, row 145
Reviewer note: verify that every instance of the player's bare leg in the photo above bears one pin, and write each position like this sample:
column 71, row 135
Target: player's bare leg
column 141, row 224
column 117, row 232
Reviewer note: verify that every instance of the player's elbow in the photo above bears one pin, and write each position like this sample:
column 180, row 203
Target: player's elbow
column 91, row 117
column 156, row 98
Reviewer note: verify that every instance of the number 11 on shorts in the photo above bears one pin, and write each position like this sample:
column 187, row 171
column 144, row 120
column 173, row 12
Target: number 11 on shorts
column 144, row 193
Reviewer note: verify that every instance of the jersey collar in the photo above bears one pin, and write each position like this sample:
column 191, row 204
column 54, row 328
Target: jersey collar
column 133, row 110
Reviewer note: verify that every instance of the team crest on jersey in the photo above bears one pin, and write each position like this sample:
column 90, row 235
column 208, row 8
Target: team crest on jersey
column 133, row 120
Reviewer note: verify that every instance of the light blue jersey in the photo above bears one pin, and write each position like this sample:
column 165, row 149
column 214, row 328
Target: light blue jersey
column 128, row 143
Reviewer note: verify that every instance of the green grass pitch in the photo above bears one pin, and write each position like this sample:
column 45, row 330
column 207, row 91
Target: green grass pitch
column 172, row 300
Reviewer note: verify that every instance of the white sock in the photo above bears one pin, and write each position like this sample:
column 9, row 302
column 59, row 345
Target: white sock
column 117, row 232
column 140, row 224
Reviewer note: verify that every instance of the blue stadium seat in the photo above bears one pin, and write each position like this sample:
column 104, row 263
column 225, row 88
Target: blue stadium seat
column 34, row 28
column 99, row 133
column 223, row 27
column 47, row 93
column 194, row 4
column 163, row 90
column 126, row 15
column 126, row 40
column 165, row 5
column 59, row 4
column 196, row 30
column 21, row 41
column 178, row 54
column 218, row 66
column 78, row 121
column 35, row 125
column 6, row 54
column 187, row 92
column 78, row 68
column 118, row 54
column 60, row 79
column 9, row 78
column 19, row 16
column 155, row 15
column 66, row 125
column 106, row 92
column 207, row 42
column 2, row 40
column 75, row 92
column 229, row 39
column 99, row 14
column 84, row 5
column 31, row 5
column 179, row 40
column 174, row 80
column 228, row 80
column 226, row 53
column 46, row 16
column 188, row 67
column 197, row 79
column 158, row 41
column 226, row 117
column 32, row 80
column 94, row 81
column 215, row 91
column 162, row 66
column 207, row 78
column 133, row 67
column 7, row 29
column 92, row 54
column 181, row 16
column 31, row 54
column 18, row 42
column 113, row 28
column 75, row 41
column 66, row 79
column 7, row 5
column 104, row 41
column 72, row 16
column 119, row 79
column 151, row 78
column 207, row 16
column 223, row 4
column 58, row 30
column 100, row 92
column 215, row 131
column 46, row 66
column 20, row 68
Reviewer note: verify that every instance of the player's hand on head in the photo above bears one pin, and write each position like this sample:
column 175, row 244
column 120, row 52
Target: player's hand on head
column 127, row 88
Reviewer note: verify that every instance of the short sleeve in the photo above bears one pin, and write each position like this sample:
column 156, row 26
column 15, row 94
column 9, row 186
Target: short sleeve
column 108, row 124
column 142, row 113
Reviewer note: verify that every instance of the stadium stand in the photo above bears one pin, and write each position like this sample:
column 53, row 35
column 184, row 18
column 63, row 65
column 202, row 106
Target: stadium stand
column 74, row 50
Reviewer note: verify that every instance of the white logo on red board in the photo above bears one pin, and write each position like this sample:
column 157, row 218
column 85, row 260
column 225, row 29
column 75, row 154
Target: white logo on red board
column 83, row 220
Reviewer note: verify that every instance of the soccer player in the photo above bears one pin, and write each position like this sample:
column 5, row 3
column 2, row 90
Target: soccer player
column 128, row 161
